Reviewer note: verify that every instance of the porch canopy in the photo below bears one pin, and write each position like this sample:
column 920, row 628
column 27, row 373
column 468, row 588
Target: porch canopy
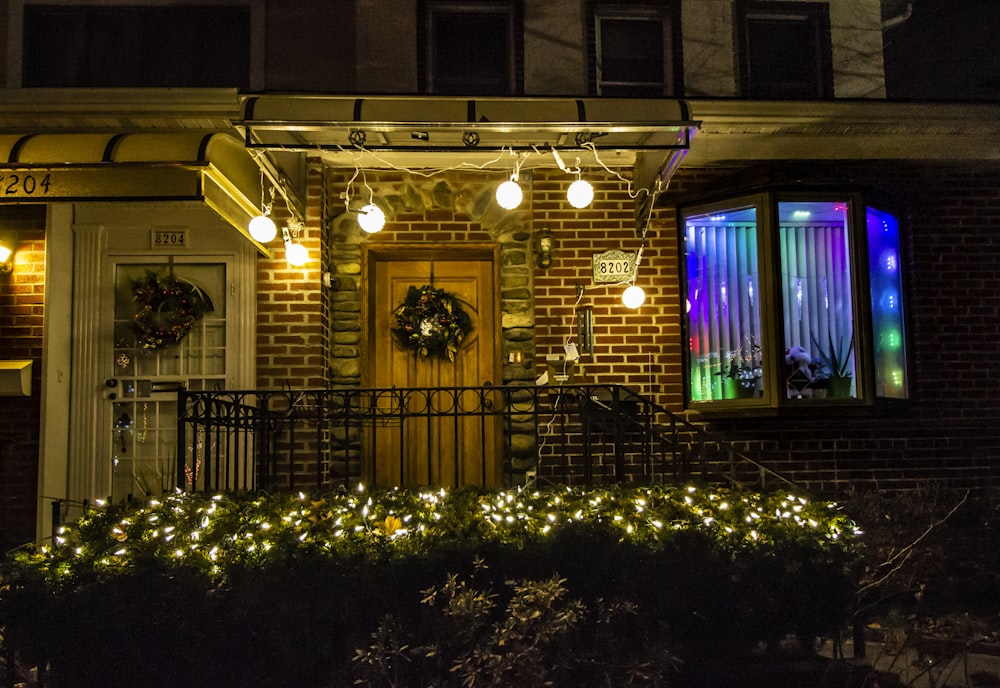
column 649, row 135
column 210, row 167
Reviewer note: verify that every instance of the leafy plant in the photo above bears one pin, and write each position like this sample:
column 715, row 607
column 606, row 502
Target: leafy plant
column 835, row 361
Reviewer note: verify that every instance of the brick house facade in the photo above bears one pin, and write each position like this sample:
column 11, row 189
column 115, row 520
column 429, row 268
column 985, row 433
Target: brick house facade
column 935, row 169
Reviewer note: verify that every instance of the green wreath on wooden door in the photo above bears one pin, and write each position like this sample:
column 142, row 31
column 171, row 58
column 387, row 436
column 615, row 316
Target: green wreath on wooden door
column 431, row 322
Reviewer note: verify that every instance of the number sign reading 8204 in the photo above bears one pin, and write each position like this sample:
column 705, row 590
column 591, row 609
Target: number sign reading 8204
column 24, row 184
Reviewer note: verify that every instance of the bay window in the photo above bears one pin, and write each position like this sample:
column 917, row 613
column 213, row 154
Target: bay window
column 777, row 312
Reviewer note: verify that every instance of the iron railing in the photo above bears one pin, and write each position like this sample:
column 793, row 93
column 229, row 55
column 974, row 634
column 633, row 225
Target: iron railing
column 568, row 434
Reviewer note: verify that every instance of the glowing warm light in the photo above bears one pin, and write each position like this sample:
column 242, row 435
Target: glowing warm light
column 296, row 254
column 263, row 229
column 509, row 194
column 5, row 253
column 580, row 193
column 371, row 218
column 633, row 297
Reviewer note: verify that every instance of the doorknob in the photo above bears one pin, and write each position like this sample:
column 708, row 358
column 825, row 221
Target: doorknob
column 111, row 383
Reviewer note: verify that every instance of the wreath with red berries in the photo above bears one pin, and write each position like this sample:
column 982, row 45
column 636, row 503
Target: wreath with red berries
column 431, row 322
column 166, row 309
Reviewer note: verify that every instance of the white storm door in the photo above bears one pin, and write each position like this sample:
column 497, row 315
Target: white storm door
column 145, row 374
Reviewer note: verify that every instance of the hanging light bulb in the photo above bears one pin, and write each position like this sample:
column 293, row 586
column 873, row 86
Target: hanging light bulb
column 296, row 254
column 371, row 218
column 263, row 229
column 580, row 193
column 633, row 297
column 509, row 193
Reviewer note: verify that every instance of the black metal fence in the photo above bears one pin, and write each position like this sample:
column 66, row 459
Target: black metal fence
column 569, row 434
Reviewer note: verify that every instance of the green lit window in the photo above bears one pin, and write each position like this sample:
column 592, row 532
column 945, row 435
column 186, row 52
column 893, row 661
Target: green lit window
column 775, row 309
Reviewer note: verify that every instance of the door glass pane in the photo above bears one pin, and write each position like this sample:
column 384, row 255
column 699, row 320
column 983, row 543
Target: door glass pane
column 149, row 366
column 723, row 303
column 816, row 300
column 887, row 305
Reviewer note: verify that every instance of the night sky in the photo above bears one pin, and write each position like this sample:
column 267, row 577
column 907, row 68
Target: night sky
column 947, row 50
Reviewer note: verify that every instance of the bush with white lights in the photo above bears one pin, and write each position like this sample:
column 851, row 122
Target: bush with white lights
column 194, row 589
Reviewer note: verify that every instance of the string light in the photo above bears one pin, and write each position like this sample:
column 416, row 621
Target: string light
column 296, row 254
column 262, row 228
column 633, row 297
column 509, row 194
column 371, row 218
column 580, row 193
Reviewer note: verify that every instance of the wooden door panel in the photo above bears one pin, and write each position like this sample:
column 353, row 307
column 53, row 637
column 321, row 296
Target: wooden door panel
column 427, row 449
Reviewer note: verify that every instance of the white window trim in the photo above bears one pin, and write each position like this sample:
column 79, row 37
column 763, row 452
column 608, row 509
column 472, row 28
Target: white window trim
column 641, row 13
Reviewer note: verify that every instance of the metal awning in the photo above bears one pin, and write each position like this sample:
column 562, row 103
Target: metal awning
column 424, row 132
column 211, row 167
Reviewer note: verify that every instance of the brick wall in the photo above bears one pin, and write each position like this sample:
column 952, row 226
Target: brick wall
column 292, row 308
column 947, row 431
column 21, row 311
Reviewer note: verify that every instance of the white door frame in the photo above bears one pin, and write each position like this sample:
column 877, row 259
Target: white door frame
column 74, row 462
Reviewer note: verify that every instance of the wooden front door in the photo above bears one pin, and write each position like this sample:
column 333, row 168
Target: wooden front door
column 429, row 446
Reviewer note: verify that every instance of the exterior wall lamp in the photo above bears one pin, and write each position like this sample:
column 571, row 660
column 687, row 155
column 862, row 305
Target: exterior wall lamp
column 543, row 249
column 6, row 259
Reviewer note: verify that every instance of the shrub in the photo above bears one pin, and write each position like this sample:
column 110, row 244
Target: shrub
column 196, row 590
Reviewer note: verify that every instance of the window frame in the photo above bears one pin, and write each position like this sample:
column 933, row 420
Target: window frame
column 16, row 45
column 666, row 14
column 773, row 399
column 515, row 40
column 815, row 15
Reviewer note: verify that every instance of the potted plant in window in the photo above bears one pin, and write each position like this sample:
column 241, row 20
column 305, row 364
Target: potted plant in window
column 835, row 366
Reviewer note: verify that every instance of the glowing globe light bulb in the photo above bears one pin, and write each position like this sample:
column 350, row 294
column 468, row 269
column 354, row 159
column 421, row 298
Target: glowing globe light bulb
column 633, row 297
column 371, row 218
column 580, row 193
column 263, row 229
column 296, row 254
column 509, row 195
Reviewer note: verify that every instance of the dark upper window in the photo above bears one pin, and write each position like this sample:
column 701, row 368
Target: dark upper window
column 632, row 48
column 128, row 46
column 471, row 48
column 784, row 50
column 792, row 300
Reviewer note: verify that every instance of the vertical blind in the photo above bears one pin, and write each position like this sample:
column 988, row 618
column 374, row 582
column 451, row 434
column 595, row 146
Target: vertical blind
column 723, row 295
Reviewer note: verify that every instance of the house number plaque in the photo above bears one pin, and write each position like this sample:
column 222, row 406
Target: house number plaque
column 614, row 266
column 168, row 238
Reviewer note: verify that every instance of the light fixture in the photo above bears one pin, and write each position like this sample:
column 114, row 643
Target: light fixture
column 262, row 228
column 633, row 297
column 6, row 264
column 580, row 193
column 509, row 193
column 296, row 254
column 543, row 251
column 371, row 218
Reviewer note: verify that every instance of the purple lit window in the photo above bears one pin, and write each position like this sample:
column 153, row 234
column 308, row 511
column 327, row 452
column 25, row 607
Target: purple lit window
column 772, row 303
